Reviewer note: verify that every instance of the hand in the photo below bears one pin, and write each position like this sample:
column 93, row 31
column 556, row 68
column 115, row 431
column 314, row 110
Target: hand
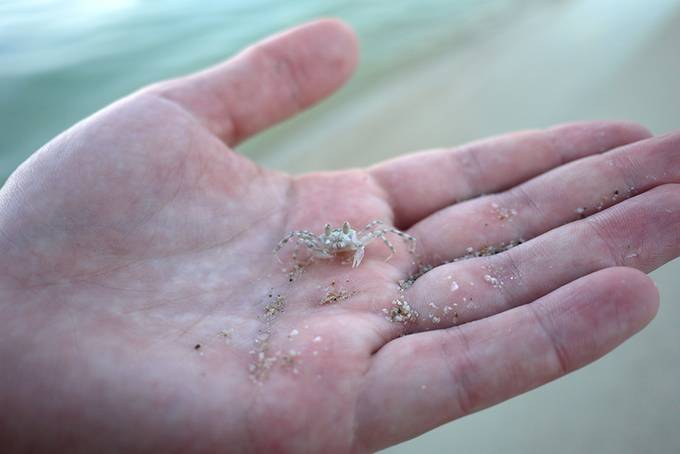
column 142, row 308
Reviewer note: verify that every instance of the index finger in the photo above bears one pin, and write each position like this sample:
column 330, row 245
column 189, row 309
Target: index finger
column 419, row 184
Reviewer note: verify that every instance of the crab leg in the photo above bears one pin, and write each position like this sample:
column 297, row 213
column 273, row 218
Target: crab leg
column 404, row 236
column 358, row 256
column 302, row 237
column 381, row 234
column 372, row 224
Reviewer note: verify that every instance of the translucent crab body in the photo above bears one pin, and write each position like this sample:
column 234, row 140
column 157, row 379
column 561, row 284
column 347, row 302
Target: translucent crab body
column 335, row 241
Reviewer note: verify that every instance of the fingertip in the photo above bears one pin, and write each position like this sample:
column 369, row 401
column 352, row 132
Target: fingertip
column 337, row 45
column 611, row 133
column 628, row 131
column 636, row 292
column 302, row 65
column 341, row 33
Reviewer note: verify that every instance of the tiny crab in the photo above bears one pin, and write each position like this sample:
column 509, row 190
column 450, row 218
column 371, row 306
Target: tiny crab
column 334, row 241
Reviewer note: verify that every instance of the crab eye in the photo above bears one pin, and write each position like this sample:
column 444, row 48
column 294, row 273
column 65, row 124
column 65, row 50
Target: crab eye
column 327, row 229
column 345, row 227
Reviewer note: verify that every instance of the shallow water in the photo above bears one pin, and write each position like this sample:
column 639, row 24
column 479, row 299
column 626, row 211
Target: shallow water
column 441, row 73
column 61, row 60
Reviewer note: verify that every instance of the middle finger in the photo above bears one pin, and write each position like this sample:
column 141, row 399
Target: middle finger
column 565, row 194
column 642, row 232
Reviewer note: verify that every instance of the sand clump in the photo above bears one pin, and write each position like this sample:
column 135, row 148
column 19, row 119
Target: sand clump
column 274, row 306
column 503, row 213
column 264, row 360
column 494, row 281
column 470, row 253
column 487, row 251
column 334, row 294
column 298, row 268
column 400, row 311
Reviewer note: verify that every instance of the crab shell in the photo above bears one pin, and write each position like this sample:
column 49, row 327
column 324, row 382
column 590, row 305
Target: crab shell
column 343, row 240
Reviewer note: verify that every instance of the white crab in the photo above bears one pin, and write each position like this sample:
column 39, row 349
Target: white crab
column 334, row 241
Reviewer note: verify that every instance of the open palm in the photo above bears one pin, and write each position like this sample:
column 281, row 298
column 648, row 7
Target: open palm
column 142, row 308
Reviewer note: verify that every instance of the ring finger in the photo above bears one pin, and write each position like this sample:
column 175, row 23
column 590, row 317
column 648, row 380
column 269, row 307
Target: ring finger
column 642, row 232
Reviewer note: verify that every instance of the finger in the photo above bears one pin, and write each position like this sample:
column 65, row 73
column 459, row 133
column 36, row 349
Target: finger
column 269, row 81
column 420, row 381
column 642, row 232
column 557, row 197
column 419, row 184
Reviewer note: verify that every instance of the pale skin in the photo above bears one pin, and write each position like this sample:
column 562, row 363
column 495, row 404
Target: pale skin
column 141, row 233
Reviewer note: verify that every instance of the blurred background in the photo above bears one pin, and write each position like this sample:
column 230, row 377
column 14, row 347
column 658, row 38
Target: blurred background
column 433, row 73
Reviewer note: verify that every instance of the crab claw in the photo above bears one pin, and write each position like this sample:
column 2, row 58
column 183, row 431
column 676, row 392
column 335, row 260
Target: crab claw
column 358, row 256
